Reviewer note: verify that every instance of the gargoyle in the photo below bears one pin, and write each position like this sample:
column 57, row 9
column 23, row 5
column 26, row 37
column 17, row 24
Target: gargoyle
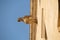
column 27, row 19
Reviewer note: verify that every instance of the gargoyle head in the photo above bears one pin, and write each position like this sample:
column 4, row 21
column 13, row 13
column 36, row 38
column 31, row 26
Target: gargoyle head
column 20, row 19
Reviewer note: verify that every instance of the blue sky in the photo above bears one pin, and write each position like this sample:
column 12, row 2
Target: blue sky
column 10, row 10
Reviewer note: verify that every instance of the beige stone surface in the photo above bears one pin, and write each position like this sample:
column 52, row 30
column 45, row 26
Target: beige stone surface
column 50, row 20
column 33, row 10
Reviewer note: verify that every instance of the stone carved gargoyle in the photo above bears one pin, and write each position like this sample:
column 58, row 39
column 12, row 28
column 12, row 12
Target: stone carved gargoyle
column 27, row 19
